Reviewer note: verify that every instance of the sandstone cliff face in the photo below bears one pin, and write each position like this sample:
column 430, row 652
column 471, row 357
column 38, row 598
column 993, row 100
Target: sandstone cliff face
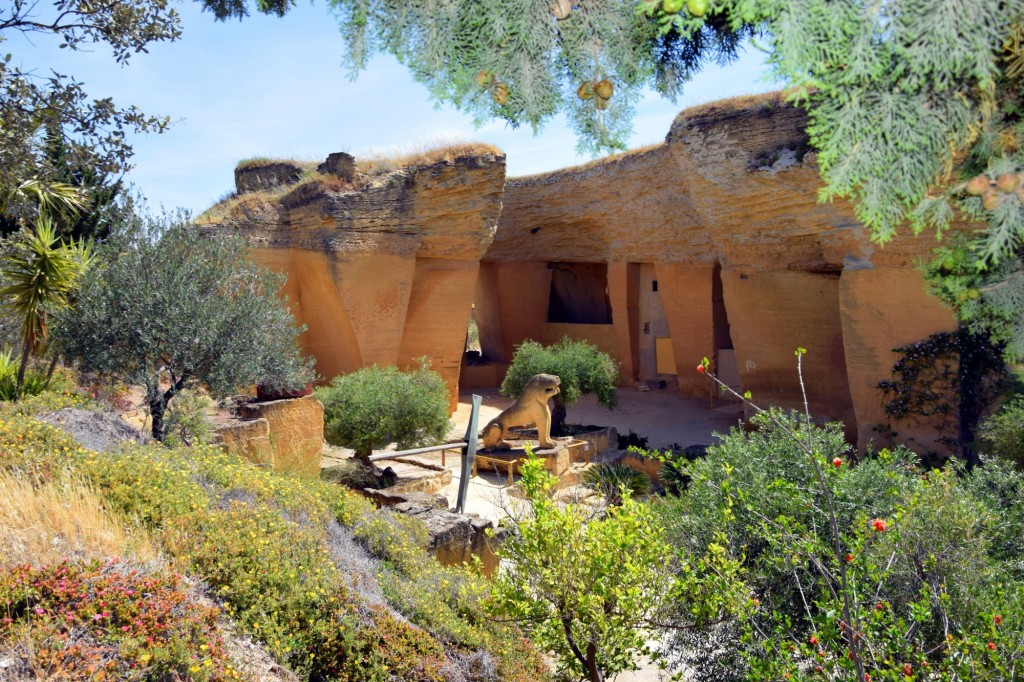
column 385, row 272
column 748, row 264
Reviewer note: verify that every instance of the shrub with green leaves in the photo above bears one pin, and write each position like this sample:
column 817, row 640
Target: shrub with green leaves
column 592, row 589
column 581, row 366
column 923, row 555
column 611, row 478
column 282, row 555
column 34, row 381
column 186, row 420
column 1002, row 434
column 375, row 406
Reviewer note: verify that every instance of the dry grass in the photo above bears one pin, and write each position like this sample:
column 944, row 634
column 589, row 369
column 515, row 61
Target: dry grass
column 768, row 99
column 62, row 520
column 422, row 156
column 234, row 206
column 260, row 161
column 590, row 165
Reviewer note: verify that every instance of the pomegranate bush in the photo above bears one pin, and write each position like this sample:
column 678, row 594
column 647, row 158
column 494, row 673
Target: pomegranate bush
column 868, row 568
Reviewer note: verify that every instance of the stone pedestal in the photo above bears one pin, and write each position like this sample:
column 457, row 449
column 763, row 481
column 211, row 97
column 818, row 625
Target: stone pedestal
column 556, row 459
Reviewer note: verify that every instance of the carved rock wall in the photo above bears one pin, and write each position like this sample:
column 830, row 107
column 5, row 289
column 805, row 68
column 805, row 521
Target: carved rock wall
column 386, row 273
column 748, row 264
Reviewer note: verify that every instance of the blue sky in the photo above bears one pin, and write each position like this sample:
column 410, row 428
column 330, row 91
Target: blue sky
column 275, row 87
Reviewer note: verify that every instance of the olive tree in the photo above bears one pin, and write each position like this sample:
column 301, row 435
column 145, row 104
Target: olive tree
column 376, row 405
column 579, row 364
column 167, row 307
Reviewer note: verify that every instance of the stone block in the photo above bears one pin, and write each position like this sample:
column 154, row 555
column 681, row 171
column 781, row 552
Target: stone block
column 247, row 439
column 296, row 432
column 255, row 178
column 340, row 164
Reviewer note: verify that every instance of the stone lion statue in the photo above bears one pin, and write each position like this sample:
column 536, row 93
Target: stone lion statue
column 530, row 408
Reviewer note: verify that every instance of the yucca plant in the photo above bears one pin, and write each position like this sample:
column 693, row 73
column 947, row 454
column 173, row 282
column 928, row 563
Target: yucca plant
column 611, row 478
column 42, row 273
column 35, row 197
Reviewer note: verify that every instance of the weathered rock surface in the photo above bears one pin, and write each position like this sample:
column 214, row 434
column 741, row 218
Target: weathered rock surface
column 384, row 273
column 286, row 435
column 266, row 176
column 340, row 164
column 715, row 246
column 455, row 538
column 99, row 431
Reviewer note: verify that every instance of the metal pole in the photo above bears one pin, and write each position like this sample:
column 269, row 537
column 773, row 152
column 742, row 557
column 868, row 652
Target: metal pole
column 468, row 453
column 417, row 451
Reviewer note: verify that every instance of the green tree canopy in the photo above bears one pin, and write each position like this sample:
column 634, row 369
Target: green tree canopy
column 40, row 111
column 167, row 306
column 375, row 406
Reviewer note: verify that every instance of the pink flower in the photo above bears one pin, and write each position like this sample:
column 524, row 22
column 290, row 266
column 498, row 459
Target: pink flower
column 40, row 611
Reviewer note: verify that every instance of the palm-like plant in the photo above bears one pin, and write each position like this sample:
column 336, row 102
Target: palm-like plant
column 19, row 201
column 41, row 272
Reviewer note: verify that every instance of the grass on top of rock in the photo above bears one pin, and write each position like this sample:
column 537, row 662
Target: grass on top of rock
column 263, row 161
column 234, row 206
column 282, row 555
column 422, row 155
column 250, row 205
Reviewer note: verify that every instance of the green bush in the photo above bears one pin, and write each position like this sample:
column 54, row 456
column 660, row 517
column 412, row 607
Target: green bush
column 1002, row 434
column 35, row 381
column 375, row 406
column 267, row 547
column 588, row 589
column 579, row 364
column 186, row 420
column 924, row 555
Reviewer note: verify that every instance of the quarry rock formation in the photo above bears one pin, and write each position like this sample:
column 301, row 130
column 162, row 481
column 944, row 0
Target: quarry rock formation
column 711, row 244
column 714, row 245
column 383, row 273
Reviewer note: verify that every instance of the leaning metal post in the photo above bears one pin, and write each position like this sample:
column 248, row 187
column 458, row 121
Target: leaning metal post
column 468, row 452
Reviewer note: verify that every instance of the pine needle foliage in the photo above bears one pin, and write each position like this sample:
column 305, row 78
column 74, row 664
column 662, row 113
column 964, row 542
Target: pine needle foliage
column 907, row 99
column 513, row 59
